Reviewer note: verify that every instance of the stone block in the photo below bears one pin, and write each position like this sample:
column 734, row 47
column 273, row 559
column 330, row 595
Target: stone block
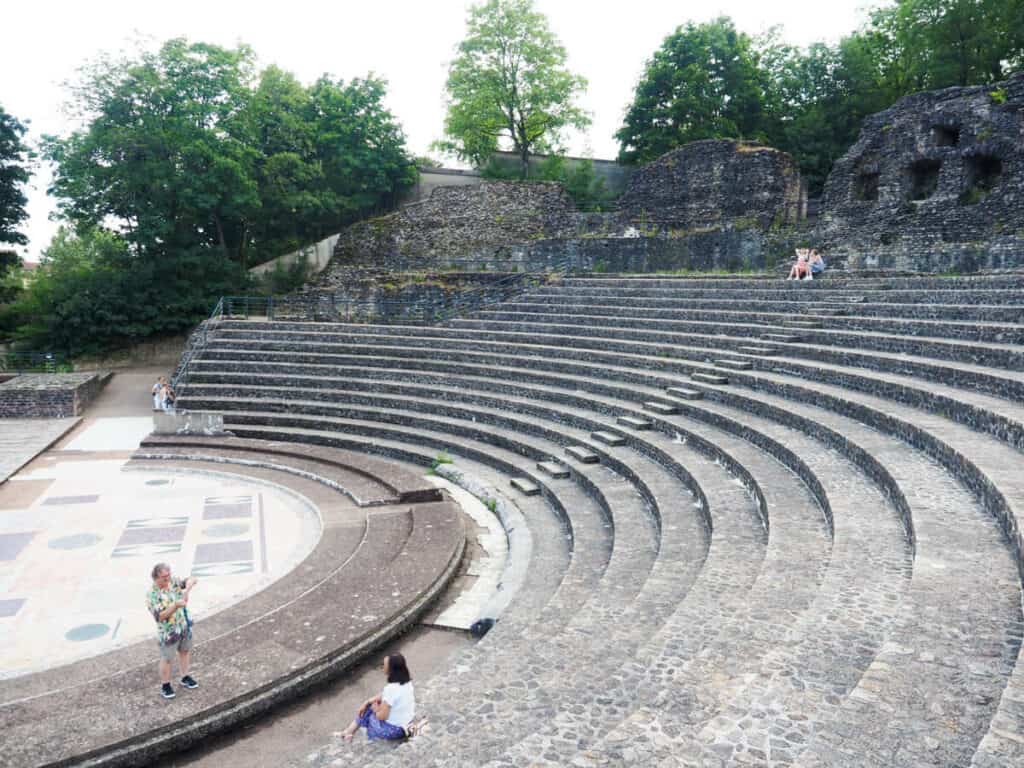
column 709, row 378
column 525, row 487
column 685, row 393
column 663, row 408
column 735, row 365
column 608, row 438
column 583, row 455
column 553, row 469
column 633, row 423
column 188, row 423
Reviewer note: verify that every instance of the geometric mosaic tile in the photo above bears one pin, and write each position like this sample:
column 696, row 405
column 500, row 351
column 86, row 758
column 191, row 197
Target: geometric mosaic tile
column 70, row 500
column 222, row 569
column 147, row 550
column 151, row 535
column 10, row 607
column 222, row 507
column 11, row 544
column 221, row 552
column 157, row 522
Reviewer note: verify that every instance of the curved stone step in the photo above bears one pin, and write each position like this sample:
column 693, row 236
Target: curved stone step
column 628, row 562
column 993, row 353
column 1007, row 384
column 987, row 412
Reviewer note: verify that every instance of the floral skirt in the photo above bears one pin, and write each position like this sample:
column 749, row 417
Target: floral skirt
column 379, row 729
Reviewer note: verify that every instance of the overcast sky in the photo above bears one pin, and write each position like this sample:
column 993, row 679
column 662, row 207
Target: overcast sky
column 408, row 42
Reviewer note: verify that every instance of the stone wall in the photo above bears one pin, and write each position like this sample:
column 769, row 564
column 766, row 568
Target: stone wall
column 709, row 205
column 714, row 183
column 49, row 395
column 457, row 226
column 935, row 182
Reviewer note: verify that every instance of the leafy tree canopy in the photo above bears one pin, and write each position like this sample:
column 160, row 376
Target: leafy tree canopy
column 509, row 84
column 710, row 81
column 93, row 293
column 702, row 83
column 14, row 174
column 188, row 147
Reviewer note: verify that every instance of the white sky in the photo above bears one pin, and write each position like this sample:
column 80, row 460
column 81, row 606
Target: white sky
column 408, row 42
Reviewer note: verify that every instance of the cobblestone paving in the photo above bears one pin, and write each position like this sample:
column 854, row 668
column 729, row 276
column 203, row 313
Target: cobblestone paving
column 23, row 439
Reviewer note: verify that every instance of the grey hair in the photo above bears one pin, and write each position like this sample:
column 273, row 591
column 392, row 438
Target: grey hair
column 159, row 568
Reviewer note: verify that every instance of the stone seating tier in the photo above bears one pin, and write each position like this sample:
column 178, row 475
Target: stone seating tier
column 881, row 457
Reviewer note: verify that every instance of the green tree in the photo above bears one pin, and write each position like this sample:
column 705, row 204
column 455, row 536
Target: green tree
column 928, row 44
column 14, row 174
column 703, row 83
column 509, row 83
column 187, row 147
column 92, row 293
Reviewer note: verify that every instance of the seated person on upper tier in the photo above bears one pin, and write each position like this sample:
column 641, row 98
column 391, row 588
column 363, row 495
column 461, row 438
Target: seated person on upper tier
column 800, row 269
column 816, row 263
column 388, row 716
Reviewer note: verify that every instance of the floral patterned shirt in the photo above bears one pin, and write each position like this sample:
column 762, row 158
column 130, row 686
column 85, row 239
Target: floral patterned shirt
column 158, row 600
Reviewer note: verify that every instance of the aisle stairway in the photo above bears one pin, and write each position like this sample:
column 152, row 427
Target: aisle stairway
column 799, row 544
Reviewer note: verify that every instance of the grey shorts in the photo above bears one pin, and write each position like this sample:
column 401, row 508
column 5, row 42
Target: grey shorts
column 182, row 645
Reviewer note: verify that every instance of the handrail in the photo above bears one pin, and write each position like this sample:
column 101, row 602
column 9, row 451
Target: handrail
column 328, row 307
column 31, row 362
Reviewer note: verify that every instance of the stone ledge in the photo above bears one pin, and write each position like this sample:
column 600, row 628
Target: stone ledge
column 393, row 484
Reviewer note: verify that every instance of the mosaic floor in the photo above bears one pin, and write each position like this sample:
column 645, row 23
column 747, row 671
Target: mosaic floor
column 78, row 537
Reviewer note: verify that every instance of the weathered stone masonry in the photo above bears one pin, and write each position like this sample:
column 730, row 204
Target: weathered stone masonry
column 703, row 206
column 935, row 182
column 49, row 395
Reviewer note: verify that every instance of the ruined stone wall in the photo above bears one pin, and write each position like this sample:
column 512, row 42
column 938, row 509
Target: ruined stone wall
column 708, row 205
column 714, row 183
column 458, row 226
column 49, row 395
column 935, row 182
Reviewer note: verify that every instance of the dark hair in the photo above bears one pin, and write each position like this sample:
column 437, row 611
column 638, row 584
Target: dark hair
column 398, row 671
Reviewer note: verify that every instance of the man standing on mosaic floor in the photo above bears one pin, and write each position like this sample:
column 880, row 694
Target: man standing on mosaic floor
column 167, row 600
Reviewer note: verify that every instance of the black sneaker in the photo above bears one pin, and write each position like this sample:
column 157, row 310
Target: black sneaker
column 166, row 691
column 188, row 682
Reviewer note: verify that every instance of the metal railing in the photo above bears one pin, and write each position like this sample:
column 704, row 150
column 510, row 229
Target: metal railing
column 329, row 307
column 33, row 362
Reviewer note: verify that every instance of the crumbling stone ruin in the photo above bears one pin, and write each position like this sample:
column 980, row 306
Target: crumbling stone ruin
column 716, row 184
column 707, row 205
column 935, row 182
column 459, row 226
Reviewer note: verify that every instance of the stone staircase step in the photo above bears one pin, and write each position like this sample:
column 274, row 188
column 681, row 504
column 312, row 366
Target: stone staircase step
column 608, row 438
column 782, row 338
column 685, row 393
column 735, row 365
column 759, row 350
column 553, row 469
column 661, row 408
column 633, row 423
column 802, row 323
column 709, row 378
column 581, row 454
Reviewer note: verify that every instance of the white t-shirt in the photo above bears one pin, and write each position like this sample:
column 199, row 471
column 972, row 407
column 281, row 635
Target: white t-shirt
column 402, row 700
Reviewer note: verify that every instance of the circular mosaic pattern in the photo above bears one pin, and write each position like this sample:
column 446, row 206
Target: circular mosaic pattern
column 157, row 482
column 225, row 530
column 87, row 632
column 77, row 541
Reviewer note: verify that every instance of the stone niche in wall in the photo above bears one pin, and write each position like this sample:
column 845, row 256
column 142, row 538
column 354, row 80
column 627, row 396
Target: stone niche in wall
column 934, row 183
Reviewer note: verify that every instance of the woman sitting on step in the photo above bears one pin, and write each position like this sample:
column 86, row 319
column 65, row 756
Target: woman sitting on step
column 800, row 268
column 388, row 716
column 815, row 263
